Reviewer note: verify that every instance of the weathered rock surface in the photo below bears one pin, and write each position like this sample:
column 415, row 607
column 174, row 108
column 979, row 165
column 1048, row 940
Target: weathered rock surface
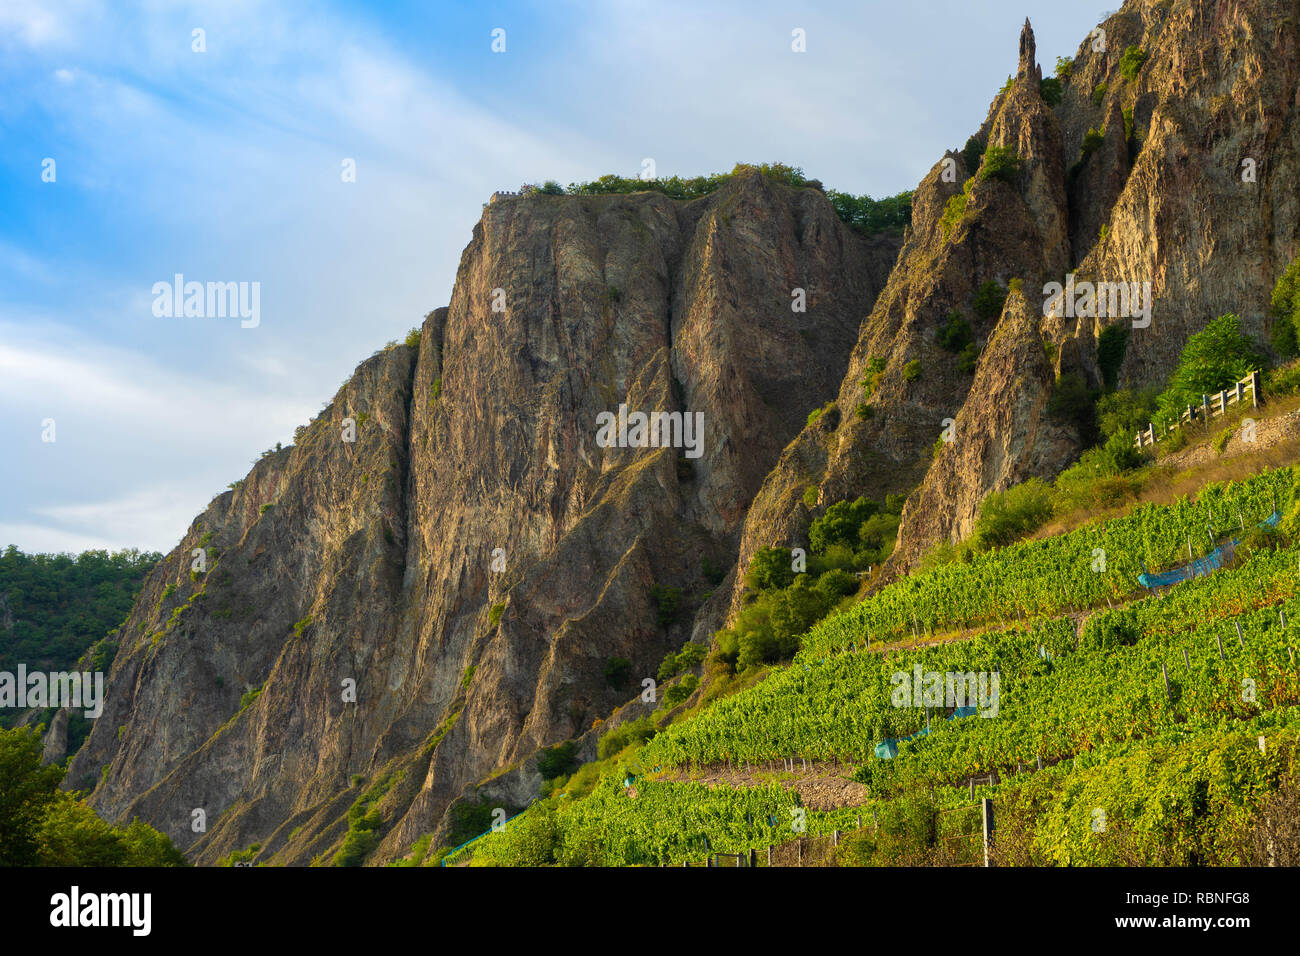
column 474, row 560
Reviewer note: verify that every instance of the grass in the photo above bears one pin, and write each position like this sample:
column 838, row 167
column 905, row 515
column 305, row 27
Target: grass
column 1162, row 484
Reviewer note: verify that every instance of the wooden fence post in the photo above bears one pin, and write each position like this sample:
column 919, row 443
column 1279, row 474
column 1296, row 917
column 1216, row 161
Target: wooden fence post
column 1254, row 388
column 987, row 808
column 1237, row 625
column 1186, row 662
column 1220, row 640
column 1165, row 674
column 769, row 854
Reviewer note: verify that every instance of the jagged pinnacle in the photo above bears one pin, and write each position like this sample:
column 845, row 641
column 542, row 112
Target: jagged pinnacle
column 1029, row 68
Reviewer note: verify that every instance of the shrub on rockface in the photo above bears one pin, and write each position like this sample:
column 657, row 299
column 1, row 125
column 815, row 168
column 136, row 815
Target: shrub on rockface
column 1000, row 162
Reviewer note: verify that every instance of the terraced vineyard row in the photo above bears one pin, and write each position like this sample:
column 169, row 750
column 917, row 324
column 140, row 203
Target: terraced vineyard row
column 1108, row 689
column 662, row 823
column 1080, row 569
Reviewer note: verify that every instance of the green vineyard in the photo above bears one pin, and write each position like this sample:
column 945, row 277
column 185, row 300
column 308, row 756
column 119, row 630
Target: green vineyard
column 1109, row 725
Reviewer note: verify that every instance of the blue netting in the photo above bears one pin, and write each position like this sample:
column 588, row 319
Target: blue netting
column 888, row 748
column 1201, row 566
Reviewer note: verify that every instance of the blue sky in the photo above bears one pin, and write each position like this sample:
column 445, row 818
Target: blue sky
column 225, row 165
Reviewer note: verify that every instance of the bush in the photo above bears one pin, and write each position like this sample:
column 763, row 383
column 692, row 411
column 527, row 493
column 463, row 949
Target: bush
column 955, row 208
column 1283, row 381
column 955, row 334
column 840, row 523
column 1285, row 306
column 971, row 155
column 1213, row 359
column 550, row 188
column 864, row 411
column 618, row 739
column 413, row 339
column 835, row 584
column 691, row 655
column 1051, row 90
column 815, row 414
column 769, row 569
column 1007, row 515
column 810, row 496
column 668, row 601
column 681, row 691
column 912, row 370
column 1071, row 403
column 968, row 360
column 989, row 299
column 1000, row 162
column 1125, row 412
column 558, row 761
column 1112, row 343
column 617, row 671
column 1099, row 93
column 1064, row 67
column 1131, row 62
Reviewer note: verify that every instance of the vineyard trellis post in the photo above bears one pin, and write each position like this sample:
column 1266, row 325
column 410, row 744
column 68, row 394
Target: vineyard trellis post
column 1219, row 638
column 987, row 826
column 1241, row 641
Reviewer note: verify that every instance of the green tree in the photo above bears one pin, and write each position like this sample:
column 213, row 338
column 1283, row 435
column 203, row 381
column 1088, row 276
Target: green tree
column 1213, row 359
column 1285, row 305
column 1051, row 91
column 27, row 791
column 955, row 334
column 769, row 569
column 840, row 524
column 1112, row 343
column 989, row 299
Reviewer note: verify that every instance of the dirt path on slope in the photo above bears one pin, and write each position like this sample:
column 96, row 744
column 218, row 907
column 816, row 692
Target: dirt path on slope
column 824, row 786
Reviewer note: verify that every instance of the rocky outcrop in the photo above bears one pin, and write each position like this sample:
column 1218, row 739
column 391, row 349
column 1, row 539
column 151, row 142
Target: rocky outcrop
column 967, row 230
column 426, row 606
column 1187, row 190
column 1002, row 436
column 405, row 619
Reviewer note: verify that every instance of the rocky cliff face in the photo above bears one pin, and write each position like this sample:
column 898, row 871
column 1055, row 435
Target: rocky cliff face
column 428, row 605
column 438, row 598
column 1184, row 184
